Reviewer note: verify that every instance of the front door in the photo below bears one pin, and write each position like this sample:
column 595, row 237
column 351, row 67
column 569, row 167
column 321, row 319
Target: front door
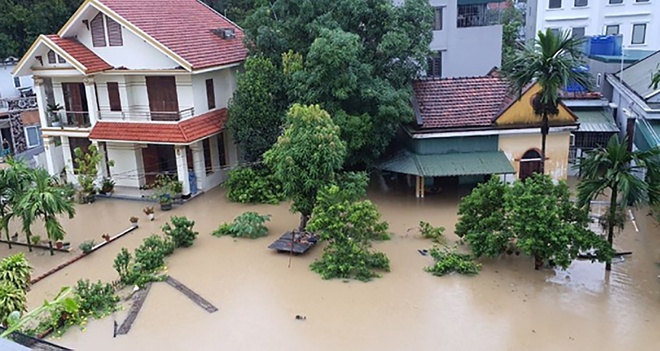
column 163, row 98
column 75, row 104
column 529, row 164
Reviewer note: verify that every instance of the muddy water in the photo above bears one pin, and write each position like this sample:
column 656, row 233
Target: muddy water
column 509, row 306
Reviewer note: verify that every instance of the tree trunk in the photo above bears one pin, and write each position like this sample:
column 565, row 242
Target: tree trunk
column 50, row 246
column 29, row 243
column 538, row 262
column 545, row 129
column 7, row 235
column 610, row 224
column 303, row 222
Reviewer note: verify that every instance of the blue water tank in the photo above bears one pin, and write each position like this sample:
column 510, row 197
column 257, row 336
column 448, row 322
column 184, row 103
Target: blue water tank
column 574, row 87
column 192, row 179
column 603, row 45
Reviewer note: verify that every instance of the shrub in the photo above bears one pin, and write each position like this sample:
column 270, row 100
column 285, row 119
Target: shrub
column 12, row 299
column 253, row 185
column 182, row 234
column 86, row 246
column 448, row 261
column 247, row 225
column 343, row 261
column 15, row 270
column 123, row 266
column 95, row 299
column 150, row 256
column 430, row 232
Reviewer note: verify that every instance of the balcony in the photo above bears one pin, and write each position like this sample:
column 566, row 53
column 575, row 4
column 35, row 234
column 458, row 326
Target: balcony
column 18, row 104
column 478, row 15
column 69, row 119
column 144, row 114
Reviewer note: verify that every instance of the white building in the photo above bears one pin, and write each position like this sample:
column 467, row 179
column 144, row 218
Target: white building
column 147, row 81
column 637, row 20
column 467, row 39
column 10, row 86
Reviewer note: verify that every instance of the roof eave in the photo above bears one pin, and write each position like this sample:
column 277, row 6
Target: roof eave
column 51, row 45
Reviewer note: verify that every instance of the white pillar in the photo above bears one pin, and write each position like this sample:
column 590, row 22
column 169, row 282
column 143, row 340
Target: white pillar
column 198, row 163
column 68, row 161
column 49, row 148
column 92, row 104
column 41, row 100
column 182, row 168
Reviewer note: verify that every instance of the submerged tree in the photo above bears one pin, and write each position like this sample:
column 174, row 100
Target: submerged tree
column 306, row 157
column 552, row 61
column 14, row 284
column 534, row 216
column 615, row 169
column 14, row 180
column 45, row 200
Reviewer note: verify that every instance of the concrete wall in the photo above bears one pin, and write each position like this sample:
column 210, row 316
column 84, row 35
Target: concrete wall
column 557, row 144
column 128, row 169
column 224, row 84
column 7, row 88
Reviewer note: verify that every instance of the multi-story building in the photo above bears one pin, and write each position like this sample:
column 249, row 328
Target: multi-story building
column 467, row 38
column 147, row 82
column 636, row 20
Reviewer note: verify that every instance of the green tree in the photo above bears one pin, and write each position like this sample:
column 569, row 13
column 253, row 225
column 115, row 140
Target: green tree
column 349, row 226
column 512, row 21
column 352, row 57
column 45, row 200
column 62, row 301
column 14, row 180
column 655, row 79
column 306, row 157
column 614, row 170
column 534, row 216
column 235, row 10
column 550, row 60
column 255, row 116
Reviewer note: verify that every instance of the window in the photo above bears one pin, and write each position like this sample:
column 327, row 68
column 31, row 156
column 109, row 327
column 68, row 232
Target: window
column 555, row 31
column 554, row 4
column 437, row 21
column 60, row 59
column 208, row 164
column 612, row 29
column 210, row 94
column 32, row 136
column 598, row 78
column 114, row 32
column 434, row 65
column 98, row 31
column 221, row 150
column 51, row 57
column 578, row 32
column 639, row 34
column 641, row 0
column 616, row 1
column 17, row 82
column 113, row 96
column 581, row 3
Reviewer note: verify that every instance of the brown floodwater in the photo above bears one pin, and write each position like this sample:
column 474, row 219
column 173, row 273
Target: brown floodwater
column 508, row 306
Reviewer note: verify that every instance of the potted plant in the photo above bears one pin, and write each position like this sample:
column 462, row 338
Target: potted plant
column 87, row 171
column 35, row 239
column 134, row 221
column 105, row 236
column 107, row 185
column 86, row 246
column 53, row 110
column 149, row 211
column 164, row 189
column 59, row 244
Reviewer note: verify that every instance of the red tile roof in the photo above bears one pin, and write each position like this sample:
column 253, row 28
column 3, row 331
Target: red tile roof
column 184, row 26
column 80, row 53
column 460, row 102
column 183, row 132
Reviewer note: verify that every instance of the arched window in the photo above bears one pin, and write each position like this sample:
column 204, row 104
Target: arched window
column 530, row 163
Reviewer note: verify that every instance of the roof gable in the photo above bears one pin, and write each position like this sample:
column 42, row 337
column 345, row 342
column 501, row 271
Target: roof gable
column 637, row 77
column 519, row 112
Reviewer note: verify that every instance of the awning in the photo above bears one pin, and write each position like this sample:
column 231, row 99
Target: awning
column 597, row 121
column 447, row 165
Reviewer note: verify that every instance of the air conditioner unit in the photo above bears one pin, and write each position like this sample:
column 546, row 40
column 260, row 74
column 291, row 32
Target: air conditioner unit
column 225, row 33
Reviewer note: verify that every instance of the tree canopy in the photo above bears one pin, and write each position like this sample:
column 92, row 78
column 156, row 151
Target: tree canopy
column 354, row 58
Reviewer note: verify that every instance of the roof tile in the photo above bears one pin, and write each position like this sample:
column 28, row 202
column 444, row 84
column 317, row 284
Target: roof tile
column 80, row 53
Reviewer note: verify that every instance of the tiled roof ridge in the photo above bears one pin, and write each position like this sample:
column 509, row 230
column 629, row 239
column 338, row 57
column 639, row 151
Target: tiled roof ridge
column 489, row 77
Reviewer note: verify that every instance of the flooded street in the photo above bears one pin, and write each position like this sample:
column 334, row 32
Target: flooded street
column 508, row 306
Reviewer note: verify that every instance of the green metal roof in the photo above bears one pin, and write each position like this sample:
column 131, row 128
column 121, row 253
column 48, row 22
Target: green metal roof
column 446, row 165
column 595, row 121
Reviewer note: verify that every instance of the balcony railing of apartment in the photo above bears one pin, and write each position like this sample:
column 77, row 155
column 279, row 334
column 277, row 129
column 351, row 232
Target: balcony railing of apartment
column 18, row 103
column 143, row 113
column 69, row 119
column 477, row 16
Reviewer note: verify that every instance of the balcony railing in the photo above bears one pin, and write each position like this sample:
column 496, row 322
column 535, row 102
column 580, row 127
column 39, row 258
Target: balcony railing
column 69, row 119
column 477, row 16
column 142, row 113
column 18, row 103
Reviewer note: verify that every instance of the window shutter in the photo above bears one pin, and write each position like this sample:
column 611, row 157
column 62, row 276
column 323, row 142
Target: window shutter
column 114, row 32
column 51, row 56
column 98, row 31
column 113, row 96
column 210, row 94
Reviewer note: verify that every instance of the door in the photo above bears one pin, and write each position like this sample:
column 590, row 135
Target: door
column 529, row 164
column 163, row 98
column 75, row 104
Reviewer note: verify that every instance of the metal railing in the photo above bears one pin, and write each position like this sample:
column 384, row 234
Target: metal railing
column 143, row 113
column 19, row 103
column 477, row 16
column 69, row 119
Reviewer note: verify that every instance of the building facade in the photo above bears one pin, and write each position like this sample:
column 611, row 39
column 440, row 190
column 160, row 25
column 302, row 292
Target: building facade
column 146, row 82
column 636, row 20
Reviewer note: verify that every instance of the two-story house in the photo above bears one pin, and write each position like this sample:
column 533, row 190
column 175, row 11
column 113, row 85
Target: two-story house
column 636, row 20
column 147, row 81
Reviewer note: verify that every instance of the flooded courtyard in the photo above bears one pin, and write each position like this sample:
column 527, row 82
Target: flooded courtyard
column 508, row 306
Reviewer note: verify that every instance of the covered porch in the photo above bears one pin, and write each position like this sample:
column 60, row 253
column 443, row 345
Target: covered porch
column 432, row 170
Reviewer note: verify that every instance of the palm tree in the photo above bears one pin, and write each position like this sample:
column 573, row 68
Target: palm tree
column 45, row 200
column 551, row 60
column 614, row 168
column 13, row 182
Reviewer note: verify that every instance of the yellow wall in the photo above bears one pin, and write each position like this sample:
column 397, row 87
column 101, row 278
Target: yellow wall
column 522, row 113
column 557, row 144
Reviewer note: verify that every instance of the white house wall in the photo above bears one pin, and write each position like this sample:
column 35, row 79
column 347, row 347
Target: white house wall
column 224, row 83
column 128, row 169
column 134, row 54
column 7, row 88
